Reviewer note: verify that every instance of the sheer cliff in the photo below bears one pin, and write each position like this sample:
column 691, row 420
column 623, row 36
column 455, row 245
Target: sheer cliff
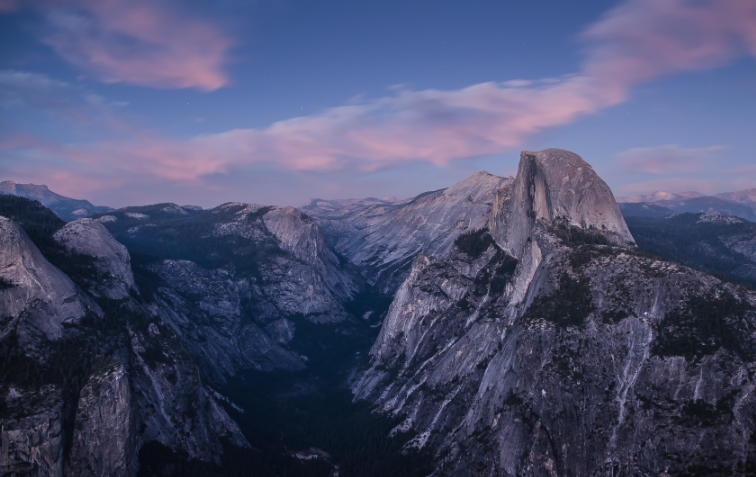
column 383, row 237
column 548, row 344
column 527, row 334
column 236, row 280
column 89, row 372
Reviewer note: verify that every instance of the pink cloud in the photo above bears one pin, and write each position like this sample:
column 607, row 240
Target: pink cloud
column 641, row 40
column 667, row 159
column 9, row 5
column 636, row 42
column 427, row 126
column 135, row 41
column 747, row 170
column 705, row 186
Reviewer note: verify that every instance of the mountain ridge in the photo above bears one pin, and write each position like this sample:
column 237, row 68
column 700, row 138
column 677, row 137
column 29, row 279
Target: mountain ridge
column 66, row 208
column 739, row 203
column 548, row 361
column 526, row 334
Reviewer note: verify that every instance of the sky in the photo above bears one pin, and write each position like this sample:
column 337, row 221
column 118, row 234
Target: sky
column 131, row 102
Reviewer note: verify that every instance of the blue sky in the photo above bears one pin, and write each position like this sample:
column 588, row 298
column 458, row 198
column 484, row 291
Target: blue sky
column 133, row 101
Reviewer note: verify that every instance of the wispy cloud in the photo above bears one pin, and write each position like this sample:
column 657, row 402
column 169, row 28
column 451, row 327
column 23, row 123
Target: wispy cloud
column 638, row 41
column 666, row 159
column 140, row 42
column 672, row 184
column 744, row 170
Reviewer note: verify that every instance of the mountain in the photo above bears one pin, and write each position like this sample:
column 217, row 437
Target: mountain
column 66, row 208
column 236, row 280
column 741, row 203
column 710, row 241
column 548, row 344
column 383, row 237
column 653, row 197
column 176, row 348
column 747, row 196
column 501, row 326
column 88, row 379
column 644, row 209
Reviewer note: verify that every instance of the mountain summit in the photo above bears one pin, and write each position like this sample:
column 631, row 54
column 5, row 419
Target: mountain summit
column 548, row 344
column 64, row 207
column 554, row 185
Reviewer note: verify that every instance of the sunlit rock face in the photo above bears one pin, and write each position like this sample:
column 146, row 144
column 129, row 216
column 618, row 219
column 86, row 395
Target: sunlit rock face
column 38, row 299
column 559, row 349
column 383, row 237
column 90, row 237
column 554, row 184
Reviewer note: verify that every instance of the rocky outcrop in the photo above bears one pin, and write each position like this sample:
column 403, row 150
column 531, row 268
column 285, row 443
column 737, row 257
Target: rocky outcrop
column 173, row 404
column 85, row 387
column 559, row 349
column 219, row 316
column 90, row 237
column 383, row 237
column 554, row 184
column 105, row 431
column 39, row 299
column 32, row 440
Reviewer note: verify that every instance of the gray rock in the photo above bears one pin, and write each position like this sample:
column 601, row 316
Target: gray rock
column 383, row 237
column 64, row 207
column 90, row 237
column 554, row 184
column 105, row 431
column 42, row 298
column 32, row 440
column 211, row 311
column 572, row 362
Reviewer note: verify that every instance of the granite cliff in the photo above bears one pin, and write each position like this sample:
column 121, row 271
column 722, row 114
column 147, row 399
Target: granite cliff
column 89, row 373
column 383, row 237
column 548, row 344
column 527, row 334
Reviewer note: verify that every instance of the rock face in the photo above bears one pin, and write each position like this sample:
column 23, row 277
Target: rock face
column 105, row 433
column 559, row 349
column 32, row 441
column 89, row 379
column 238, row 279
column 39, row 299
column 210, row 308
column 712, row 242
column 90, row 237
column 527, row 335
column 383, row 237
column 554, row 184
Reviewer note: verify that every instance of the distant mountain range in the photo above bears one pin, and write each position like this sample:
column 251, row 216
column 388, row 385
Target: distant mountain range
column 741, row 203
column 64, row 207
column 500, row 326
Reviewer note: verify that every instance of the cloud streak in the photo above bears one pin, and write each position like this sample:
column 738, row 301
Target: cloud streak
column 139, row 42
column 636, row 42
column 667, row 159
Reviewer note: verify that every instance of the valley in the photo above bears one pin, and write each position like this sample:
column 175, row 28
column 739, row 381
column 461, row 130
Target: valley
column 501, row 326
